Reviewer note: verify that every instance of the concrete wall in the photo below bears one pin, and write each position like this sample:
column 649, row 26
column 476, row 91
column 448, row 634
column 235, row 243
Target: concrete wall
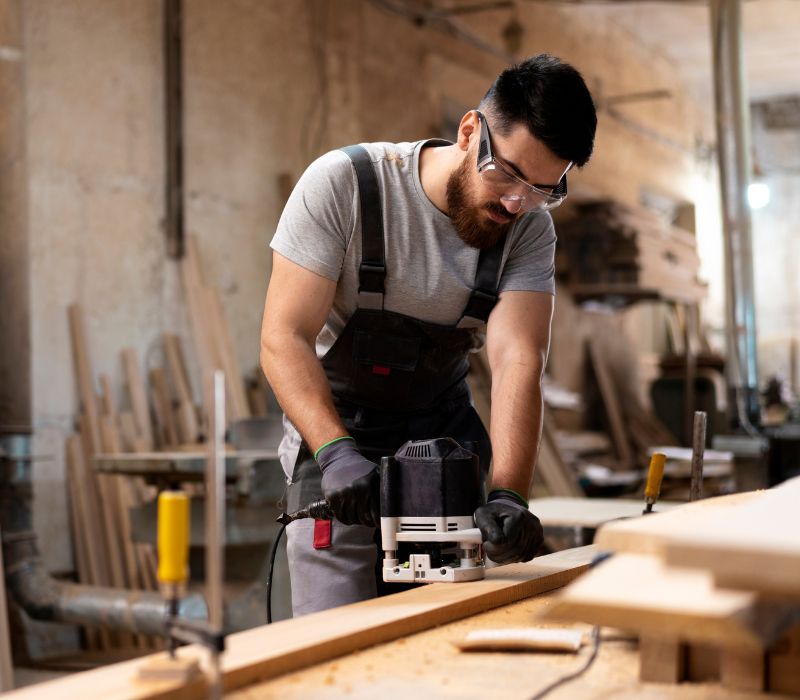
column 268, row 85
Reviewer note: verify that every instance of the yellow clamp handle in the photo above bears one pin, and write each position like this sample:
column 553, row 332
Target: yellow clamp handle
column 654, row 477
column 173, row 537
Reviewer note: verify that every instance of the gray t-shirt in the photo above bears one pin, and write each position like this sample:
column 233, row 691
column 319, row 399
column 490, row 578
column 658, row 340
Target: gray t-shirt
column 430, row 270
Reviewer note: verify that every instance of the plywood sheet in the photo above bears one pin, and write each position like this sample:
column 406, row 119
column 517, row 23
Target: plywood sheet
column 269, row 651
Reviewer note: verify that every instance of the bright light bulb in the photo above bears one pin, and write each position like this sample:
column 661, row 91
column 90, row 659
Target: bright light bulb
column 758, row 195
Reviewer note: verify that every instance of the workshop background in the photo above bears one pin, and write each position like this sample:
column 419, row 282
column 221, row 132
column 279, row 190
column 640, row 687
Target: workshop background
column 269, row 85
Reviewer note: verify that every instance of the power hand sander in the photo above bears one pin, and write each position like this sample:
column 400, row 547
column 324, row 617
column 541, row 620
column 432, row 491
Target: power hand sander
column 429, row 491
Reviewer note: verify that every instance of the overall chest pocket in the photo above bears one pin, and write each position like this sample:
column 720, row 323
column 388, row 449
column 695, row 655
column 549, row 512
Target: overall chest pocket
column 387, row 370
column 380, row 351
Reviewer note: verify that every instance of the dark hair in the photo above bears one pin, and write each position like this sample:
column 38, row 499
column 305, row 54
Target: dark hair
column 551, row 99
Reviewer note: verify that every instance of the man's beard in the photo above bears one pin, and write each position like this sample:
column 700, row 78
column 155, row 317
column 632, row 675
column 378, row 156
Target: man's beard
column 471, row 227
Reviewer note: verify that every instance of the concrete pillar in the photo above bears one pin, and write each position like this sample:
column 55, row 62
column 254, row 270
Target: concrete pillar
column 15, row 343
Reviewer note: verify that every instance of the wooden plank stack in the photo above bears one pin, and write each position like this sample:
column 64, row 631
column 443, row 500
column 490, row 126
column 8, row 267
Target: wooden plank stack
column 713, row 589
column 161, row 416
column 606, row 245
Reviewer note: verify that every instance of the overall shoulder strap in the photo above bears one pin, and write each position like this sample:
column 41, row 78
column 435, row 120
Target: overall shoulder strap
column 372, row 271
column 484, row 293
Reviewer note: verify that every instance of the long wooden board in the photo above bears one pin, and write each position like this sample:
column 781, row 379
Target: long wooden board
column 639, row 592
column 755, row 546
column 269, row 651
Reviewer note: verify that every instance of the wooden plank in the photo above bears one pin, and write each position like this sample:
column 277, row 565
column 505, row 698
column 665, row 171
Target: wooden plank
column 272, row 650
column 88, row 509
column 186, row 414
column 754, row 546
column 650, row 535
column 106, row 396
column 639, row 592
column 234, row 387
column 554, row 472
column 83, row 375
column 198, row 314
column 590, row 512
column 165, row 418
column 614, row 413
column 138, row 396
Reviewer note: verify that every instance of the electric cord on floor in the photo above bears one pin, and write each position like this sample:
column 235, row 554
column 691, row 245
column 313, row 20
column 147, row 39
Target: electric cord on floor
column 272, row 556
column 574, row 674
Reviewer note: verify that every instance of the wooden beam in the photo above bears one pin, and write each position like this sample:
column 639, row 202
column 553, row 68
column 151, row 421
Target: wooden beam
column 269, row 651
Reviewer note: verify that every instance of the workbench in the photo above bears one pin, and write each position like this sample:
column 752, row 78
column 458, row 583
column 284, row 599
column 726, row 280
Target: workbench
column 401, row 645
column 427, row 665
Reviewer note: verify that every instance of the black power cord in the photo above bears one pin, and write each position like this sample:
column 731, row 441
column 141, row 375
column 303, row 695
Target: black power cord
column 574, row 674
column 272, row 555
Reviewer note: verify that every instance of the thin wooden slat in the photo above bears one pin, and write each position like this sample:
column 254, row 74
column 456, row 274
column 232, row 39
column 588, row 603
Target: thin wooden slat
column 165, row 417
column 83, row 374
column 128, row 431
column 87, row 507
column 106, row 396
column 193, row 288
column 611, row 403
column 138, row 396
column 234, row 386
column 186, row 414
column 290, row 645
column 556, row 474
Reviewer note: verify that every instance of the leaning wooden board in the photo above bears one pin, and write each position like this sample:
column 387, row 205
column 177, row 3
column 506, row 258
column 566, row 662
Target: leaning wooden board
column 269, row 651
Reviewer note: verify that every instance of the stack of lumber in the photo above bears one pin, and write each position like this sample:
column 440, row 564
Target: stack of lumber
column 712, row 588
column 614, row 248
column 156, row 412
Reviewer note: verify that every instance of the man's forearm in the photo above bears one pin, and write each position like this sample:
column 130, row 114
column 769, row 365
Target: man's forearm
column 516, row 425
column 302, row 389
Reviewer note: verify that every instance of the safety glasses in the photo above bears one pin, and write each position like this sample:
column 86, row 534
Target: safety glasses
column 499, row 180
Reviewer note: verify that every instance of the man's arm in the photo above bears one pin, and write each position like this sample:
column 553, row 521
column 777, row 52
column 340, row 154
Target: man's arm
column 517, row 344
column 298, row 303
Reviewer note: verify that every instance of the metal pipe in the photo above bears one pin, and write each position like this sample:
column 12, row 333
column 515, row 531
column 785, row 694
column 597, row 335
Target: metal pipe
column 45, row 598
column 733, row 132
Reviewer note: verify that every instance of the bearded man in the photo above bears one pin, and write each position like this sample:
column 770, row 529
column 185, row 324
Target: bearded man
column 393, row 261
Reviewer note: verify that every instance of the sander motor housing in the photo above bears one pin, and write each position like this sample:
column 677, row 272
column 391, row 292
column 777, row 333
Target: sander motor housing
column 429, row 491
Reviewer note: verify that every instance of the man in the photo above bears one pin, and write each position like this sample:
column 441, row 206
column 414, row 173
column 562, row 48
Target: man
column 391, row 263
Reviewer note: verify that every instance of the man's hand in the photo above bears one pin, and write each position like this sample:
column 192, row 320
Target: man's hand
column 510, row 531
column 350, row 483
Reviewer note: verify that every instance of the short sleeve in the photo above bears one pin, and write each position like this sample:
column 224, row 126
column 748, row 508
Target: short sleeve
column 317, row 222
column 530, row 265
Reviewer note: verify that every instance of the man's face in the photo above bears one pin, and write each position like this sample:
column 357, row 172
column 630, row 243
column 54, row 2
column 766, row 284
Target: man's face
column 482, row 218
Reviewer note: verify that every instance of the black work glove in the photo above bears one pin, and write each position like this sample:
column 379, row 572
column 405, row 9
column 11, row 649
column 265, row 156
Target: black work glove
column 510, row 531
column 350, row 483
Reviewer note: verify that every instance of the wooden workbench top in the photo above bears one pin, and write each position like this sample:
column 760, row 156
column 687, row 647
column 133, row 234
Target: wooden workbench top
column 427, row 665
